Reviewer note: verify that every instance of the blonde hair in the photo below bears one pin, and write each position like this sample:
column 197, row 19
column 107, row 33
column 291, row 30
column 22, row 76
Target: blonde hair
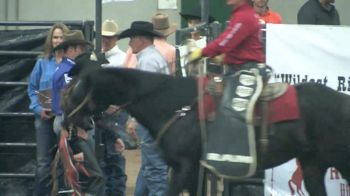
column 48, row 48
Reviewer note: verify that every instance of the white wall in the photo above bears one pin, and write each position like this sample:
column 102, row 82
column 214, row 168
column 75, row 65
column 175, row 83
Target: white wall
column 126, row 12
column 123, row 12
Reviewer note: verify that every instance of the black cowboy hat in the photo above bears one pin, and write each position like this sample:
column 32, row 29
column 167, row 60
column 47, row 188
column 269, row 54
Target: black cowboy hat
column 140, row 28
column 195, row 13
column 73, row 37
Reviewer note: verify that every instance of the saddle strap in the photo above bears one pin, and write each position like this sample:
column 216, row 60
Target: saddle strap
column 264, row 127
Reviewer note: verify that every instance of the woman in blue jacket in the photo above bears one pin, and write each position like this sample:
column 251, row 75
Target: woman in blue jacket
column 39, row 88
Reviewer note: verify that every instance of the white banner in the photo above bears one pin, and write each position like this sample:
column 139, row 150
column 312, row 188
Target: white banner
column 307, row 53
column 300, row 53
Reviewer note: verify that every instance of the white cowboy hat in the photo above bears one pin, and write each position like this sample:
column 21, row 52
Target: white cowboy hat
column 109, row 28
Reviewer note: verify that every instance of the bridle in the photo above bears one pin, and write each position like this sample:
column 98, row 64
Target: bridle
column 85, row 100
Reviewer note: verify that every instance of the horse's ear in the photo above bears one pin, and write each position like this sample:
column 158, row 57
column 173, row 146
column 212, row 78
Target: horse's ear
column 87, row 62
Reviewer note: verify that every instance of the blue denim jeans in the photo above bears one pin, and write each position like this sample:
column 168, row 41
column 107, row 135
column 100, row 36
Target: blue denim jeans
column 152, row 179
column 113, row 162
column 113, row 165
column 46, row 139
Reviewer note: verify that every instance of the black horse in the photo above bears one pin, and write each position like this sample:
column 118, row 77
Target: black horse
column 319, row 139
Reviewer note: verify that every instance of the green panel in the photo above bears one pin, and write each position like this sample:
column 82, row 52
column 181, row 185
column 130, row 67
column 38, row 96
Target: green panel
column 217, row 8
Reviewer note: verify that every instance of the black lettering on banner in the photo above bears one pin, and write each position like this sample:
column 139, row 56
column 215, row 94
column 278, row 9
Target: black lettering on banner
column 343, row 84
column 297, row 78
column 334, row 174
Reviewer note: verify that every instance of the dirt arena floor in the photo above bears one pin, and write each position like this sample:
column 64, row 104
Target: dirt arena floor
column 133, row 159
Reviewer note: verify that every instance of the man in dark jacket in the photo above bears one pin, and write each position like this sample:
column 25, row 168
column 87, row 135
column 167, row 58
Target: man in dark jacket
column 319, row 12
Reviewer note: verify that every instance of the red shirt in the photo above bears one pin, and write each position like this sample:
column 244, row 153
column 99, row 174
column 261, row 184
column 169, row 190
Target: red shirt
column 271, row 17
column 241, row 41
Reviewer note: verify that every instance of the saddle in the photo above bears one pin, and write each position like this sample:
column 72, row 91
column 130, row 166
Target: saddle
column 232, row 154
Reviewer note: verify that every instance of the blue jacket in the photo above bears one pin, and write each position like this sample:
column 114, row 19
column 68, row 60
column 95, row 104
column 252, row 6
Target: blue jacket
column 40, row 79
column 60, row 80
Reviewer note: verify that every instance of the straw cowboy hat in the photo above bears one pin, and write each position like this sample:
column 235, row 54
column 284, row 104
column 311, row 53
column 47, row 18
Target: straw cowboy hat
column 109, row 28
column 161, row 24
column 194, row 13
column 140, row 28
column 73, row 37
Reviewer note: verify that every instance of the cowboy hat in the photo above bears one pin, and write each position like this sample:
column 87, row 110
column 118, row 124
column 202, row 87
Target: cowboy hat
column 140, row 28
column 161, row 24
column 109, row 28
column 72, row 37
column 195, row 13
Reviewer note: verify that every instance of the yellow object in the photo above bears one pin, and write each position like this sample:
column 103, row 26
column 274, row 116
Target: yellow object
column 219, row 59
column 195, row 55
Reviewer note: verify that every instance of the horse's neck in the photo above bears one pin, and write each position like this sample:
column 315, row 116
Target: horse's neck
column 156, row 109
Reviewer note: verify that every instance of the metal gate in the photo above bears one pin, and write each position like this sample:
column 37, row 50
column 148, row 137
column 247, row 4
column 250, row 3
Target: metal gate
column 17, row 134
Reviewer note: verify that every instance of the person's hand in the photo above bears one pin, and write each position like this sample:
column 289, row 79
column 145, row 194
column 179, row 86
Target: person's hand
column 82, row 133
column 119, row 145
column 46, row 114
column 195, row 55
column 219, row 59
column 79, row 157
column 64, row 133
column 131, row 127
column 112, row 109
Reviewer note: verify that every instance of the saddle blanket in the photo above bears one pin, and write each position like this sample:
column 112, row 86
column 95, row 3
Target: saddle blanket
column 282, row 108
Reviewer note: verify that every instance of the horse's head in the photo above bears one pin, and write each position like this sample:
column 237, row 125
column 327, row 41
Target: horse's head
column 92, row 92
column 76, row 105
column 130, row 89
column 76, row 100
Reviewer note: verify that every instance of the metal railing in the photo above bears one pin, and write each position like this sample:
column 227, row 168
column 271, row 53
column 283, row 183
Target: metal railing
column 88, row 29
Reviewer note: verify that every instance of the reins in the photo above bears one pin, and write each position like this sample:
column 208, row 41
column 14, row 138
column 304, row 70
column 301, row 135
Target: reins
column 181, row 113
column 178, row 114
column 86, row 99
column 88, row 96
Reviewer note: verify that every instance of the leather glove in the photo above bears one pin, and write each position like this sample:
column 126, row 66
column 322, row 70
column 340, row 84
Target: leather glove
column 195, row 55
column 219, row 59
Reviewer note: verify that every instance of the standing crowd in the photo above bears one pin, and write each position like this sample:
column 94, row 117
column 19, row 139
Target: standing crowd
column 239, row 45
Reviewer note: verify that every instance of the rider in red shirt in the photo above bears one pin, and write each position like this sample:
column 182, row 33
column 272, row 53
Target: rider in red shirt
column 241, row 41
column 243, row 57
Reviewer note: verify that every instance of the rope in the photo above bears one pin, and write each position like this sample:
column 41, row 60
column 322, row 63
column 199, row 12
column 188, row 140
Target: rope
column 88, row 96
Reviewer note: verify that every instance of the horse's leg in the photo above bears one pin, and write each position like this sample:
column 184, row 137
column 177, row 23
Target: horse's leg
column 192, row 184
column 175, row 184
column 183, row 177
column 313, row 174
